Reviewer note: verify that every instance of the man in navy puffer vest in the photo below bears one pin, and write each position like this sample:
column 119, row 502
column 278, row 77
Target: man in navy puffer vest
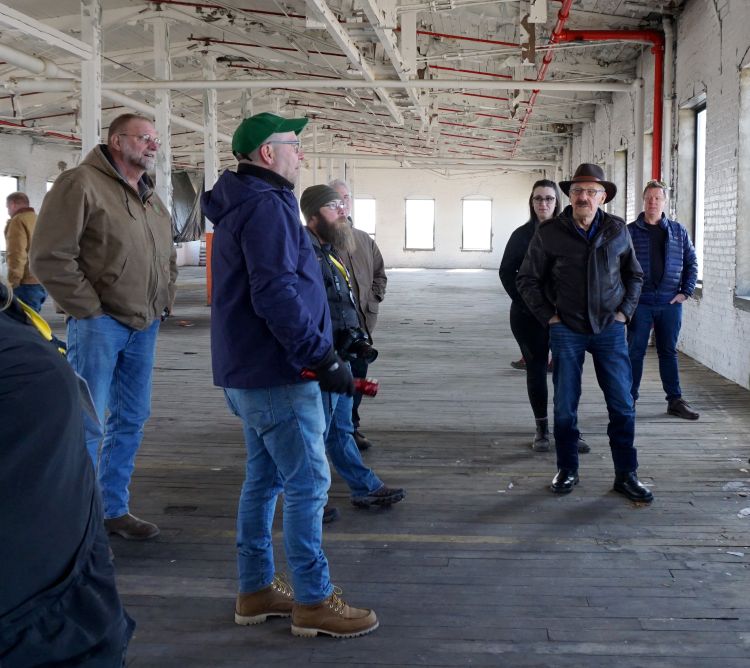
column 670, row 269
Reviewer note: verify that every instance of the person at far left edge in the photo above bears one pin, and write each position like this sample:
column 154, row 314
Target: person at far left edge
column 102, row 248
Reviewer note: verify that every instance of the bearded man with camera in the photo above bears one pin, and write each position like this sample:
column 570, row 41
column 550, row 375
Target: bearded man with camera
column 329, row 229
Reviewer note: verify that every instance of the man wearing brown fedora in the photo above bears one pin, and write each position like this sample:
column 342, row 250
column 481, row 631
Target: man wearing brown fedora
column 582, row 279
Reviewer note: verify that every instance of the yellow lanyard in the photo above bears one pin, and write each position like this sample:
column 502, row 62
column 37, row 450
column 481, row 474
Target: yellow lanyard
column 341, row 268
column 40, row 323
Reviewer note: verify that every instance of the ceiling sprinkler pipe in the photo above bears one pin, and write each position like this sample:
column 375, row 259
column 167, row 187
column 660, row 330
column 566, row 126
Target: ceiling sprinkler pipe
column 656, row 39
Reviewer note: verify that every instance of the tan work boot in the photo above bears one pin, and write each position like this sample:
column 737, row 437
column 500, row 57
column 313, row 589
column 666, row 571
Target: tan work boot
column 131, row 528
column 332, row 617
column 275, row 600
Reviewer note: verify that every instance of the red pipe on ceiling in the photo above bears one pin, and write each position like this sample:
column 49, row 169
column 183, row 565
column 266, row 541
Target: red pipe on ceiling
column 656, row 39
column 562, row 17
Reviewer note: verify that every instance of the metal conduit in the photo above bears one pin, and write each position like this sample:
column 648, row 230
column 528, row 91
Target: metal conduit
column 656, row 39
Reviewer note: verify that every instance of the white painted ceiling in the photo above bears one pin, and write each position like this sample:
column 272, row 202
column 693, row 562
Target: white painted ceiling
column 473, row 40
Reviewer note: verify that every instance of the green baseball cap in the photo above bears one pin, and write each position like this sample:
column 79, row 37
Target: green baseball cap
column 253, row 131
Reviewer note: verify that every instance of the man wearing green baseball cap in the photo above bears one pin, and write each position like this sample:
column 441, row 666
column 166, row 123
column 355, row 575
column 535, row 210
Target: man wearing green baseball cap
column 269, row 321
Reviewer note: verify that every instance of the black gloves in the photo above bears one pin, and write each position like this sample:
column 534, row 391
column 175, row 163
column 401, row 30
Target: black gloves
column 334, row 375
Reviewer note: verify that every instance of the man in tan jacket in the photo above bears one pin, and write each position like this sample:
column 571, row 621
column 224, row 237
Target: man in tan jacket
column 103, row 249
column 367, row 271
column 18, row 231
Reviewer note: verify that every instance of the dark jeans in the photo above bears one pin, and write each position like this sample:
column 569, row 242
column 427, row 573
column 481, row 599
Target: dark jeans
column 32, row 294
column 359, row 370
column 533, row 339
column 609, row 350
column 666, row 320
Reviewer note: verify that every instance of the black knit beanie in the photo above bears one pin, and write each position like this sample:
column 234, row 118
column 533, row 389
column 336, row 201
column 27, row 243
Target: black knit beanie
column 314, row 197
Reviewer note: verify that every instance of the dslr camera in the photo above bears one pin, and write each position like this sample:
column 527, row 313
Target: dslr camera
column 353, row 343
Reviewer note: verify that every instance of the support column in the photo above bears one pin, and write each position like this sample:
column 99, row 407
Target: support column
column 163, row 71
column 246, row 103
column 91, row 76
column 210, row 154
column 639, row 122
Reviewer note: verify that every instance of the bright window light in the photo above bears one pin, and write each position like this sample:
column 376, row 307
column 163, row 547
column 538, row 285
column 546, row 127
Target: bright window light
column 364, row 214
column 700, row 185
column 477, row 225
column 420, row 224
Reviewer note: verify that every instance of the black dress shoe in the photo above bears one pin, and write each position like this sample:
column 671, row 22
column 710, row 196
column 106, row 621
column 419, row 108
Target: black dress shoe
column 363, row 443
column 564, row 481
column 330, row 514
column 629, row 485
column 682, row 409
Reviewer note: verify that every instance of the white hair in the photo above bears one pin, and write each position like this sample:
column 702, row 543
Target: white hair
column 336, row 183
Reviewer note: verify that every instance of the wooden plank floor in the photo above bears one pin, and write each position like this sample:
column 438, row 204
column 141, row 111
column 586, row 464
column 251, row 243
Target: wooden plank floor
column 481, row 565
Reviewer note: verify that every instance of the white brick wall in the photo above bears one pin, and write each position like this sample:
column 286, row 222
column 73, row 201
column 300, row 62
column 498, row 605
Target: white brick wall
column 35, row 162
column 712, row 38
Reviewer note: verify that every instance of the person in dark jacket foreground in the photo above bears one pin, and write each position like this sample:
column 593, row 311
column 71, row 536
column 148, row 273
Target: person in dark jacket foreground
column 581, row 278
column 670, row 270
column 58, row 602
column 329, row 231
column 531, row 335
column 269, row 321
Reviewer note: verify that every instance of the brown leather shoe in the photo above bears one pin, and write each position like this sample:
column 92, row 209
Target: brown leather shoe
column 131, row 528
column 332, row 617
column 275, row 600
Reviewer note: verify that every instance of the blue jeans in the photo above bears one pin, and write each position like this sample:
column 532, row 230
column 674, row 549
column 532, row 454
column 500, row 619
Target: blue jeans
column 342, row 449
column 117, row 363
column 666, row 320
column 609, row 351
column 31, row 294
column 283, row 428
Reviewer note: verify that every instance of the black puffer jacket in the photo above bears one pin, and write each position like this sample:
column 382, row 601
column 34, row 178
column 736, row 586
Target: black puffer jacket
column 584, row 282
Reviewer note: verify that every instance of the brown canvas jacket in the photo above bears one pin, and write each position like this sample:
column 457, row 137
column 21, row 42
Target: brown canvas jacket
column 101, row 248
column 18, row 231
column 367, row 272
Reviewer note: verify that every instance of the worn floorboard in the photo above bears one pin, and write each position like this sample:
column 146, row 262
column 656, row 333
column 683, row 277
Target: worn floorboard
column 481, row 565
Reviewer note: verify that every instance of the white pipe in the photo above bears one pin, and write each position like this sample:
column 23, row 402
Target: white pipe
column 639, row 123
column 40, row 85
column 416, row 159
column 32, row 63
column 666, row 143
column 67, row 83
column 430, row 84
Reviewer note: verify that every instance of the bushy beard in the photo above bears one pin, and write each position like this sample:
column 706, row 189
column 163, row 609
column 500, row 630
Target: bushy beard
column 338, row 234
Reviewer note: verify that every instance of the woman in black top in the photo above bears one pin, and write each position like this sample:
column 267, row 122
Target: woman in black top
column 532, row 336
column 58, row 601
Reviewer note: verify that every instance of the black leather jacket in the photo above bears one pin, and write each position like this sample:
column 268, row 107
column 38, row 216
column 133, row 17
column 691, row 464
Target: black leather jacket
column 584, row 282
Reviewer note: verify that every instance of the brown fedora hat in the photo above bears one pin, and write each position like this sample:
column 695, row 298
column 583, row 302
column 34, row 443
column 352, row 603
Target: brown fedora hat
column 590, row 173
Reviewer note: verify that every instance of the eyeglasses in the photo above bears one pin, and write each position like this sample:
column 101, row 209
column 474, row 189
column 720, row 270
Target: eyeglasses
column 295, row 143
column 591, row 192
column 336, row 204
column 146, row 139
column 539, row 199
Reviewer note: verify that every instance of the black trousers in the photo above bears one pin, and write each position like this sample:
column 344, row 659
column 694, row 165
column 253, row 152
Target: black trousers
column 533, row 339
column 359, row 370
